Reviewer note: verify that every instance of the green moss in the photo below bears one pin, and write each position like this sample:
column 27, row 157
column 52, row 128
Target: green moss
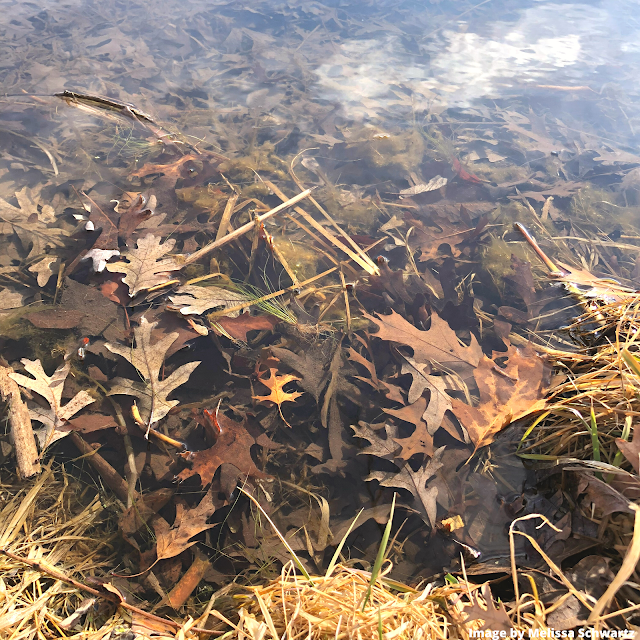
column 193, row 271
column 593, row 205
column 498, row 173
column 208, row 198
column 302, row 260
column 495, row 257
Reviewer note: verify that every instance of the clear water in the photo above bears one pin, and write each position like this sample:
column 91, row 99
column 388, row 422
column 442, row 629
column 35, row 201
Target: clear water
column 248, row 78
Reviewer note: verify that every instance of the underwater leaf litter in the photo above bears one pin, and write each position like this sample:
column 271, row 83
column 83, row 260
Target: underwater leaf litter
column 390, row 332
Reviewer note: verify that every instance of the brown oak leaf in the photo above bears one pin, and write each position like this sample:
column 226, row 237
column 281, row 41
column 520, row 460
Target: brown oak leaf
column 145, row 267
column 506, row 394
column 420, row 441
column 171, row 541
column 232, row 446
column 148, row 358
column 439, row 344
column 237, row 327
column 631, row 450
column 494, row 618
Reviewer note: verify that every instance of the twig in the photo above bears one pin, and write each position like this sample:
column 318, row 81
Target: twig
column 24, row 441
column 357, row 256
column 112, row 478
column 107, row 595
column 245, row 228
column 223, row 227
column 189, row 581
column 346, row 300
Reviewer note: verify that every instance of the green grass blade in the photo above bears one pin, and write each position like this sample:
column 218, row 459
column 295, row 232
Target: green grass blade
column 282, row 538
column 336, row 555
column 595, row 442
column 535, row 423
column 631, row 361
column 377, row 565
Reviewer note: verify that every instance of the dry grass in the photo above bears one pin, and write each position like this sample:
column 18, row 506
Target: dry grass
column 332, row 607
column 50, row 532
column 596, row 377
column 45, row 521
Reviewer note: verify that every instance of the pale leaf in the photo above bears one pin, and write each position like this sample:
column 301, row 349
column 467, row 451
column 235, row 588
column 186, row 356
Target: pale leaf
column 435, row 183
column 194, row 300
column 30, row 223
column 147, row 358
column 50, row 388
column 43, row 269
column 146, row 268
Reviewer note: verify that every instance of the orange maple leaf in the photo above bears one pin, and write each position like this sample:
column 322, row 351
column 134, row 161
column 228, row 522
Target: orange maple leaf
column 278, row 395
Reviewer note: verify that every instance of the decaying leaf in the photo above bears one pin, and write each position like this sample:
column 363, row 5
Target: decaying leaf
column 421, row 440
column 311, row 364
column 495, row 618
column 232, row 446
column 238, row 327
column 506, row 394
column 194, row 300
column 50, row 388
column 146, row 268
column 148, row 358
column 439, row 400
column 55, row 318
column 405, row 478
column 385, row 448
column 43, row 269
column 438, row 345
column 631, row 450
column 171, row 541
column 435, row 183
column 30, row 223
column 440, row 231
column 11, row 299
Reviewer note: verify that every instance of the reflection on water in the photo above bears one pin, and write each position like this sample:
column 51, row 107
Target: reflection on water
column 510, row 111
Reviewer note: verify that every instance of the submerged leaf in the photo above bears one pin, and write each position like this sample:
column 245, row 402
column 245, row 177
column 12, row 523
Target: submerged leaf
column 506, row 394
column 276, row 383
column 145, row 268
column 194, row 300
column 43, row 269
column 435, row 183
column 147, row 358
column 171, row 541
column 439, row 400
column 439, row 344
column 50, row 388
column 30, row 223
column 416, row 482
column 232, row 446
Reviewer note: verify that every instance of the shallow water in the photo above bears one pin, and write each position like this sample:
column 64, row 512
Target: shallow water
column 352, row 82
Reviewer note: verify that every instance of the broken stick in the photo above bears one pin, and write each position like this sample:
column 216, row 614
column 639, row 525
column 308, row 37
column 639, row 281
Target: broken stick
column 24, row 442
column 245, row 228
